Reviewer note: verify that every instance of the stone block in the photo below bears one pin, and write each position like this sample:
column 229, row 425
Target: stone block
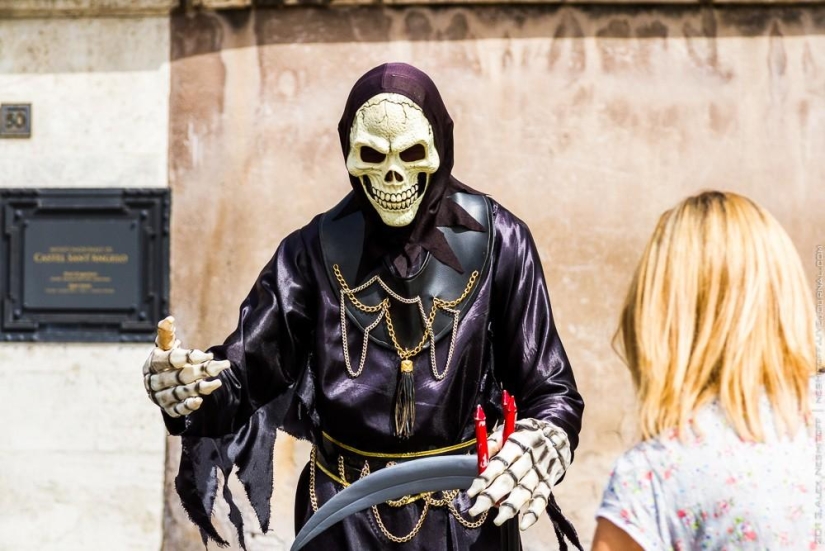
column 74, row 8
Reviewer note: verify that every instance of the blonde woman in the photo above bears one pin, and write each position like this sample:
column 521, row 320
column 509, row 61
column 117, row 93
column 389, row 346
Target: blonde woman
column 718, row 332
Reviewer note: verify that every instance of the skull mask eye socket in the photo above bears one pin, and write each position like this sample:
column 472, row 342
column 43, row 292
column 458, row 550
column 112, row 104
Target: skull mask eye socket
column 414, row 153
column 370, row 155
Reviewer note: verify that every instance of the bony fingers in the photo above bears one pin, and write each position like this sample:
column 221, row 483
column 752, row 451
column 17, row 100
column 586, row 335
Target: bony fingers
column 506, row 510
column 180, row 357
column 483, row 503
column 549, row 454
column 528, row 424
column 520, row 468
column 175, row 394
column 494, row 443
column 537, row 505
column 512, row 450
column 193, row 403
column 199, row 356
column 188, row 374
column 518, row 498
column 497, row 489
column 214, row 368
column 556, row 471
column 501, row 486
column 530, row 480
column 511, row 453
column 159, row 360
column 184, row 408
column 527, row 439
column 496, row 466
column 167, row 379
column 152, row 395
column 528, row 519
column 169, row 397
column 523, row 491
column 494, row 469
column 478, row 484
column 208, row 387
column 175, row 377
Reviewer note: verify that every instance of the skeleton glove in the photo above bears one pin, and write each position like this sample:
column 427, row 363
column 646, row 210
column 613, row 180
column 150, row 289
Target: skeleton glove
column 174, row 377
column 529, row 464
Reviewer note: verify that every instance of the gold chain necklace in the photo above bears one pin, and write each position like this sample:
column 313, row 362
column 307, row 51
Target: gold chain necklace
column 405, row 391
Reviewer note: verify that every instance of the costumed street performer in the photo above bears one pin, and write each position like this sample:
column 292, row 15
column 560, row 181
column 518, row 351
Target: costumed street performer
column 374, row 332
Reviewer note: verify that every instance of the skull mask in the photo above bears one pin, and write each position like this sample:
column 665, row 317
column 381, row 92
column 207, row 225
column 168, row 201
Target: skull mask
column 392, row 153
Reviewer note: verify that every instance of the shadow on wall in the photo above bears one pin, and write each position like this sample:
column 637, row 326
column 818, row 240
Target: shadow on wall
column 203, row 32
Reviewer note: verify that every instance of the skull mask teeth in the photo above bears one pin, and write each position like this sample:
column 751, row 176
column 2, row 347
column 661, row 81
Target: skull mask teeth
column 393, row 155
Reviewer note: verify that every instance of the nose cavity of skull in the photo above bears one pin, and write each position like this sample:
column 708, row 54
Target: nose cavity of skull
column 391, row 176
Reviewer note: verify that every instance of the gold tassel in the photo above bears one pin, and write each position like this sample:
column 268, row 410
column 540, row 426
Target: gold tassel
column 405, row 401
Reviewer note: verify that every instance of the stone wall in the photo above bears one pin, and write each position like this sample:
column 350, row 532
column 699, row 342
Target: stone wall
column 587, row 122
column 85, row 8
column 82, row 449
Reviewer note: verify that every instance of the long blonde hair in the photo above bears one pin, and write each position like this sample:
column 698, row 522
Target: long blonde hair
column 719, row 308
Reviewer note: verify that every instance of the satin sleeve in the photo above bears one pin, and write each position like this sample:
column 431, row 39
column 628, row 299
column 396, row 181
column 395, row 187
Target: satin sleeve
column 530, row 360
column 268, row 350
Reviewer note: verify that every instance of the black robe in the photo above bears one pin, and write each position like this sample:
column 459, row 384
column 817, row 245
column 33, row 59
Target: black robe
column 288, row 370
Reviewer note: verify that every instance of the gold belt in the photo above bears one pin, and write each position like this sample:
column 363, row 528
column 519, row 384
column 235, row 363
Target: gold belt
column 462, row 446
column 447, row 498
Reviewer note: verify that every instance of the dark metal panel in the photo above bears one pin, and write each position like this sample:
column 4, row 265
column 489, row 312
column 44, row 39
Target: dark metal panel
column 88, row 265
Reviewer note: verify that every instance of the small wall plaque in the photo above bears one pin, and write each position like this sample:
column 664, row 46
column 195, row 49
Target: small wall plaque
column 16, row 120
column 83, row 264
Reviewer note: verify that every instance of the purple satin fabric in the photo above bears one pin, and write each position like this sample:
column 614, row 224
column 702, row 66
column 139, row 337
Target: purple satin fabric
column 288, row 372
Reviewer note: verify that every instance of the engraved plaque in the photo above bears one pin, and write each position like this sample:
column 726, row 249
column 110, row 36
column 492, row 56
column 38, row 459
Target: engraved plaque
column 80, row 264
column 83, row 264
column 16, row 121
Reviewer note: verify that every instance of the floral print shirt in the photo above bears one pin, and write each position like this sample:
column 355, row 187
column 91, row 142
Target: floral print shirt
column 716, row 491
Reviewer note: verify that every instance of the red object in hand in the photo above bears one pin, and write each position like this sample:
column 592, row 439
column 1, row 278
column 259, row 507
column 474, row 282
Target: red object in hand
column 481, row 440
column 510, row 410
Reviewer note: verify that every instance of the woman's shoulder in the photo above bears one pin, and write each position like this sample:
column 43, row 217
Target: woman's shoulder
column 710, row 444
column 645, row 461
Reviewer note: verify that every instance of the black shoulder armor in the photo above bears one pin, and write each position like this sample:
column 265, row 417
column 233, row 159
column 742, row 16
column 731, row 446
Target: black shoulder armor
column 342, row 242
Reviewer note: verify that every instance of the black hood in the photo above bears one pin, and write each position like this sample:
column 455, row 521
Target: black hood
column 404, row 245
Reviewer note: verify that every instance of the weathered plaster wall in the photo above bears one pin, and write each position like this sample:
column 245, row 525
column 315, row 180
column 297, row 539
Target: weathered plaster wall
column 586, row 122
column 99, row 90
column 81, row 448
